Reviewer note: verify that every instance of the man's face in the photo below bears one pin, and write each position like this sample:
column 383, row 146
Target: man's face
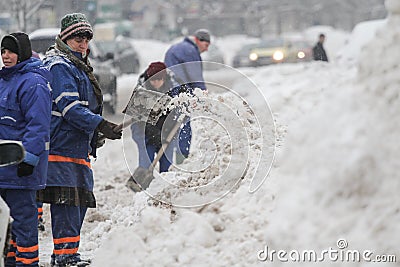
column 9, row 58
column 202, row 45
column 79, row 44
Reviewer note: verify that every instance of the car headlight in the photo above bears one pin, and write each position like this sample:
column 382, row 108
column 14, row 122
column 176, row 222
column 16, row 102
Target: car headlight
column 253, row 56
column 278, row 55
column 301, row 54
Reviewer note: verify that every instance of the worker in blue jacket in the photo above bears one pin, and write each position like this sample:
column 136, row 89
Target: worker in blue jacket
column 185, row 61
column 75, row 126
column 25, row 111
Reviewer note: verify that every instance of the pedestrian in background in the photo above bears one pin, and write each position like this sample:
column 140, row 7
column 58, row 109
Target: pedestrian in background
column 185, row 61
column 318, row 50
column 75, row 123
column 25, row 111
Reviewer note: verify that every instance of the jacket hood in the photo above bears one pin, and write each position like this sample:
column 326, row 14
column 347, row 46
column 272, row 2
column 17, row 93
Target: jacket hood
column 31, row 65
column 19, row 43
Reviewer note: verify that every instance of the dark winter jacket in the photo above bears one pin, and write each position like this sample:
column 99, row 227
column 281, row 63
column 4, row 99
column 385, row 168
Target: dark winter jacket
column 152, row 134
column 75, row 116
column 185, row 61
column 25, row 108
column 319, row 52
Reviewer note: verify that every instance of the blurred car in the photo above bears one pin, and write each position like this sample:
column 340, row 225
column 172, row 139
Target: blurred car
column 300, row 51
column 273, row 51
column 103, row 68
column 241, row 59
column 121, row 51
column 215, row 55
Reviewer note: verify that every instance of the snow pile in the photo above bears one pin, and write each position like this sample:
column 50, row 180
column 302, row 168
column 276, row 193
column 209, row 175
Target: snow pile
column 335, row 176
column 224, row 150
column 151, row 243
column 222, row 157
column 340, row 167
column 362, row 34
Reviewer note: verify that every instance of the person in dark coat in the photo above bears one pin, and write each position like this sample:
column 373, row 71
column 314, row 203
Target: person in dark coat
column 25, row 111
column 185, row 61
column 75, row 126
column 148, row 137
column 318, row 50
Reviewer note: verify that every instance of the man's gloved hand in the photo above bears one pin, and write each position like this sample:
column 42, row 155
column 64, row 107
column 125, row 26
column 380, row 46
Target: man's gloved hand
column 24, row 169
column 107, row 129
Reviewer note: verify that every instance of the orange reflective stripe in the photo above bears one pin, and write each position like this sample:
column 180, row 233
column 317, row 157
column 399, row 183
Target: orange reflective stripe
column 40, row 210
column 65, row 251
column 13, row 243
column 29, row 249
column 10, row 254
column 67, row 240
column 27, row 261
column 57, row 158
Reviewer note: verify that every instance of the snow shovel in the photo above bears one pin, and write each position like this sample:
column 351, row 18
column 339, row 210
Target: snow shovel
column 143, row 106
column 142, row 177
column 146, row 105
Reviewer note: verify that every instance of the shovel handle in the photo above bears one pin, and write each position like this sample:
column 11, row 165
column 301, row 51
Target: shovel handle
column 124, row 125
column 119, row 127
column 165, row 145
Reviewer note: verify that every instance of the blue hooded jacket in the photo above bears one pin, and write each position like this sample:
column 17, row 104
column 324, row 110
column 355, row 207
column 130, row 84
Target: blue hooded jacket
column 25, row 111
column 75, row 117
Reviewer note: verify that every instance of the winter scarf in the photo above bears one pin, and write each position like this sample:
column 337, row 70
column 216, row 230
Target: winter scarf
column 62, row 49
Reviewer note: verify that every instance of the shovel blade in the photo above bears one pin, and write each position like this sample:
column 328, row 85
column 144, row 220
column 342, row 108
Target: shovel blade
column 140, row 180
column 146, row 105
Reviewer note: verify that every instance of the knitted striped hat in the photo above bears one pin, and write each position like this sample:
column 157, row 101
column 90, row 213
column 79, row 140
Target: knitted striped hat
column 75, row 24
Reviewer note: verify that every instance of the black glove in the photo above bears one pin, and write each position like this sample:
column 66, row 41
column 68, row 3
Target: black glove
column 107, row 129
column 101, row 140
column 24, row 169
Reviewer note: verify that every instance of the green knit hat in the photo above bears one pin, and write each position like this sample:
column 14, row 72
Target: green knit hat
column 75, row 24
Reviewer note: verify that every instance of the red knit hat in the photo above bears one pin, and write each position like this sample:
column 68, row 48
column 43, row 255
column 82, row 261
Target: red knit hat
column 157, row 69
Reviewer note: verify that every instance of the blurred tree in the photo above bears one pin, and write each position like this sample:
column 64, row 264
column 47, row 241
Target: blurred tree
column 274, row 16
column 23, row 10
